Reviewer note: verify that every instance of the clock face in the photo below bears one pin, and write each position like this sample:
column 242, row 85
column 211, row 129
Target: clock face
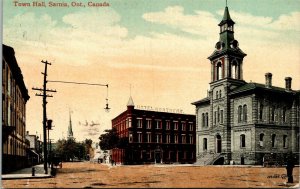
column 234, row 44
column 219, row 45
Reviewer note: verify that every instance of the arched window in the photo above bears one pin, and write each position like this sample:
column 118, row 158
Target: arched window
column 219, row 71
column 284, row 114
column 221, row 116
column 245, row 113
column 273, row 140
column 234, row 70
column 217, row 94
column 285, row 141
column 272, row 112
column 261, row 112
column 203, row 119
column 218, row 114
column 243, row 141
column 239, row 114
column 204, row 144
column 206, row 115
column 220, row 93
column 261, row 140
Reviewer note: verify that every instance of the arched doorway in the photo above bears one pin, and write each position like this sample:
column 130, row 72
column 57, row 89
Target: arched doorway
column 218, row 144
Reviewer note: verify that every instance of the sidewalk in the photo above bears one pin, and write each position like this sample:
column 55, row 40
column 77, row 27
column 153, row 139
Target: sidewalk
column 27, row 173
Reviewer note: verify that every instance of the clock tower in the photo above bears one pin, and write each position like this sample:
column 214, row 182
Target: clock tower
column 227, row 58
column 226, row 74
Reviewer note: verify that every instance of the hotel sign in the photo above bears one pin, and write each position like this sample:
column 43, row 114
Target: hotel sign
column 150, row 108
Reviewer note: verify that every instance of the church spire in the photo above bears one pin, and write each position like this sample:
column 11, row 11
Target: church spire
column 70, row 131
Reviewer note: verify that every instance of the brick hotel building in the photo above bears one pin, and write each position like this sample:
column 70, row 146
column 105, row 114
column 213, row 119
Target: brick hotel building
column 155, row 137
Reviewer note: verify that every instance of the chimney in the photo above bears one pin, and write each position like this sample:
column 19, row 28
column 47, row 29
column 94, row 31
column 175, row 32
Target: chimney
column 268, row 80
column 288, row 83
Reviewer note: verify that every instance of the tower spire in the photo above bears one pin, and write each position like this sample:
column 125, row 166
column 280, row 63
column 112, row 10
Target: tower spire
column 70, row 130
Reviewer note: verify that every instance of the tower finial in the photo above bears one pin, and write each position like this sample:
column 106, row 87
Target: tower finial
column 130, row 89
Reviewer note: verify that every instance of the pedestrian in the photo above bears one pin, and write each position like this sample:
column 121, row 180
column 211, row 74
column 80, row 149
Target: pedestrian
column 289, row 168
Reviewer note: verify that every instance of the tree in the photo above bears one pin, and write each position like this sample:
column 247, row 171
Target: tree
column 109, row 140
column 69, row 149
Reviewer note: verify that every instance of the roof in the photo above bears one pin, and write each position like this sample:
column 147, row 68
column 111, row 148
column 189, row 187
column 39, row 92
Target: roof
column 202, row 101
column 130, row 102
column 226, row 17
column 259, row 86
column 233, row 51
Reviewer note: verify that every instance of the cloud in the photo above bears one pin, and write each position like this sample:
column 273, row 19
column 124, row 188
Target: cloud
column 199, row 23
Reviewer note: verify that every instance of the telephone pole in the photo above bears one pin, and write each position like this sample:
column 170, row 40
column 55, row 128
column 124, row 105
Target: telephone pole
column 44, row 94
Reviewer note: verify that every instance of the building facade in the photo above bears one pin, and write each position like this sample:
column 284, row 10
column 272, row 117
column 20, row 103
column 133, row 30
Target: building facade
column 14, row 98
column 240, row 122
column 154, row 137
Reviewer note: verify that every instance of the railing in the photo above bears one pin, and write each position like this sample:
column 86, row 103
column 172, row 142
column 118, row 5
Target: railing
column 212, row 158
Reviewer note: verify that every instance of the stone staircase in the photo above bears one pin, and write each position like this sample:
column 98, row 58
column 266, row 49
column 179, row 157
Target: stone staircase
column 207, row 158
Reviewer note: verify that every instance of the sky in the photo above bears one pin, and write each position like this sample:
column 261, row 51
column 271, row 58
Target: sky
column 156, row 51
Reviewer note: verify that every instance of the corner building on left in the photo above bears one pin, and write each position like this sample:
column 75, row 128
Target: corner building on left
column 14, row 98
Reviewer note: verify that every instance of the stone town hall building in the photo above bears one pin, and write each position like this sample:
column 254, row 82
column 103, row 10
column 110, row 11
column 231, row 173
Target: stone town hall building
column 241, row 122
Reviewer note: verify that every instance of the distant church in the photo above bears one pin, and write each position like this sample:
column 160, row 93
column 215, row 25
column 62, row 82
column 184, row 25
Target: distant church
column 70, row 130
column 242, row 122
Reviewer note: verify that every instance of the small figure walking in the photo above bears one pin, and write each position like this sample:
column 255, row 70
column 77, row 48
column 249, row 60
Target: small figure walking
column 289, row 168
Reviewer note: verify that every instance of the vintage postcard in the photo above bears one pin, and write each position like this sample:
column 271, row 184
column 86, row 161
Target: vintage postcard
column 150, row 94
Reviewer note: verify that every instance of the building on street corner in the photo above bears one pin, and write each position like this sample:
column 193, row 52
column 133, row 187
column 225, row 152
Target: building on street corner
column 240, row 122
column 14, row 98
column 154, row 137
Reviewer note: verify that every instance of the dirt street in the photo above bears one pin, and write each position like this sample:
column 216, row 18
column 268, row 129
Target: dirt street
column 93, row 175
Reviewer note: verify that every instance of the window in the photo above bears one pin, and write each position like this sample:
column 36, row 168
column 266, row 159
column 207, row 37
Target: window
column 218, row 115
column 140, row 137
column 183, row 139
column 176, row 139
column 285, row 141
column 215, row 117
column 261, row 111
column 206, row 119
column 243, row 141
column 203, row 120
column 219, row 71
column 204, row 144
column 139, row 123
column 273, row 140
column 158, row 124
column 168, row 125
column 221, row 116
column 284, row 114
column 149, row 122
column 239, row 114
column 168, row 138
column 191, row 139
column 272, row 112
column 191, row 126
column 233, row 70
column 129, row 122
column 176, row 125
column 130, row 138
column 245, row 113
column 217, row 95
column 261, row 140
column 183, row 126
column 220, row 94
column 148, row 137
column 158, row 138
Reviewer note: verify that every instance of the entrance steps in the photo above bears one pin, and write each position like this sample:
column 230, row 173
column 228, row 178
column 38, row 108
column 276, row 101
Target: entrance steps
column 207, row 158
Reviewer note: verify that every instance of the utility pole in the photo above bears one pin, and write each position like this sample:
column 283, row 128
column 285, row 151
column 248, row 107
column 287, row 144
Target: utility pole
column 45, row 95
